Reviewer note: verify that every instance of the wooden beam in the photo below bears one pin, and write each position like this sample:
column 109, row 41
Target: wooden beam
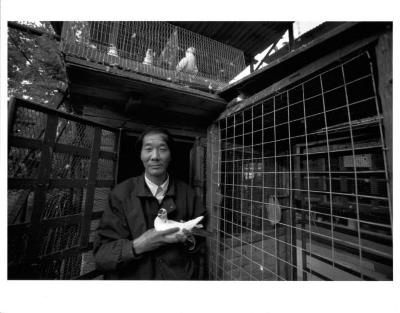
column 140, row 79
column 384, row 51
column 99, row 92
column 26, row 143
column 47, row 110
column 117, row 120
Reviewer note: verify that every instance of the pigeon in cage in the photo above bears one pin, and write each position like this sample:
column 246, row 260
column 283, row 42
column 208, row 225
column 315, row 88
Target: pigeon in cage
column 161, row 222
column 149, row 58
column 169, row 54
column 188, row 63
column 112, row 50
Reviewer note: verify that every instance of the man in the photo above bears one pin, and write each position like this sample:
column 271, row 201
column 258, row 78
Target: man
column 127, row 245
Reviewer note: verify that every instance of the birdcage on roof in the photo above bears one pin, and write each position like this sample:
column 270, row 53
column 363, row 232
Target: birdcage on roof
column 157, row 49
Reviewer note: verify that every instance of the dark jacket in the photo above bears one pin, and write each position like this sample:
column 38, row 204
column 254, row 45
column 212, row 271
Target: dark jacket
column 131, row 211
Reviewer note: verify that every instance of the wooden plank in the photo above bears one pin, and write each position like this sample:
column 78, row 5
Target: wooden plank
column 27, row 143
column 117, row 120
column 98, row 92
column 70, row 149
column 300, row 74
column 384, row 59
column 21, row 183
column 62, row 114
column 139, row 78
column 196, row 174
column 212, row 197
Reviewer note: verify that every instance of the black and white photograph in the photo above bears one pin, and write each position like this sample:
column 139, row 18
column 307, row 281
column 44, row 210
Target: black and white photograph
column 199, row 153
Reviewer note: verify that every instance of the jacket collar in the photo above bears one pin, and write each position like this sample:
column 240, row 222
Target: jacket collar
column 142, row 190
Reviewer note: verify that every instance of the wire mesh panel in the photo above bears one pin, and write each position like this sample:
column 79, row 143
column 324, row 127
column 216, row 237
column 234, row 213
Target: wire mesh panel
column 57, row 191
column 155, row 48
column 300, row 187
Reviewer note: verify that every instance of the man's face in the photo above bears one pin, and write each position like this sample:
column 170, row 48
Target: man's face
column 155, row 155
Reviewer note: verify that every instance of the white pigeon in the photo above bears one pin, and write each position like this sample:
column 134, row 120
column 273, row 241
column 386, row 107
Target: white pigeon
column 148, row 60
column 188, row 63
column 161, row 222
column 112, row 50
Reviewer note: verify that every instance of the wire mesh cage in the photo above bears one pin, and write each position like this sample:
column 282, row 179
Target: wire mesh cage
column 158, row 49
column 300, row 187
column 60, row 171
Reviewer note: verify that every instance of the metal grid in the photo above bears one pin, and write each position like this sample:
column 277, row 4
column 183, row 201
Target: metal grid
column 154, row 48
column 23, row 162
column 63, row 202
column 57, row 189
column 300, row 187
column 66, row 165
column 28, row 123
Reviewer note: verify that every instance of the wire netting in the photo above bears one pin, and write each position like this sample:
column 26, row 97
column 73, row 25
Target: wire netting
column 300, row 187
column 29, row 123
column 58, row 188
column 156, row 49
column 74, row 133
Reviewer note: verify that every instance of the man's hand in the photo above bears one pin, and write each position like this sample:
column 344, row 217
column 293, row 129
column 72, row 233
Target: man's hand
column 153, row 239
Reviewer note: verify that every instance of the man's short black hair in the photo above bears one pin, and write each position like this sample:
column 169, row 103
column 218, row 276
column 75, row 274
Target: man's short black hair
column 168, row 139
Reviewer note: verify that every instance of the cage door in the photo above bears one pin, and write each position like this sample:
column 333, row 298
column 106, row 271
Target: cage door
column 60, row 171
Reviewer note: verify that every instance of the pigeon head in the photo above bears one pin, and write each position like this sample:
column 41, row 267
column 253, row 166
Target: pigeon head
column 191, row 50
column 162, row 214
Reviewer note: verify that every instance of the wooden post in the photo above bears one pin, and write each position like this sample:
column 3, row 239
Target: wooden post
column 196, row 176
column 212, row 194
column 384, row 58
column 291, row 37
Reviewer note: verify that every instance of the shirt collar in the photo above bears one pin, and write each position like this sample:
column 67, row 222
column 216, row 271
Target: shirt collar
column 142, row 189
column 153, row 187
